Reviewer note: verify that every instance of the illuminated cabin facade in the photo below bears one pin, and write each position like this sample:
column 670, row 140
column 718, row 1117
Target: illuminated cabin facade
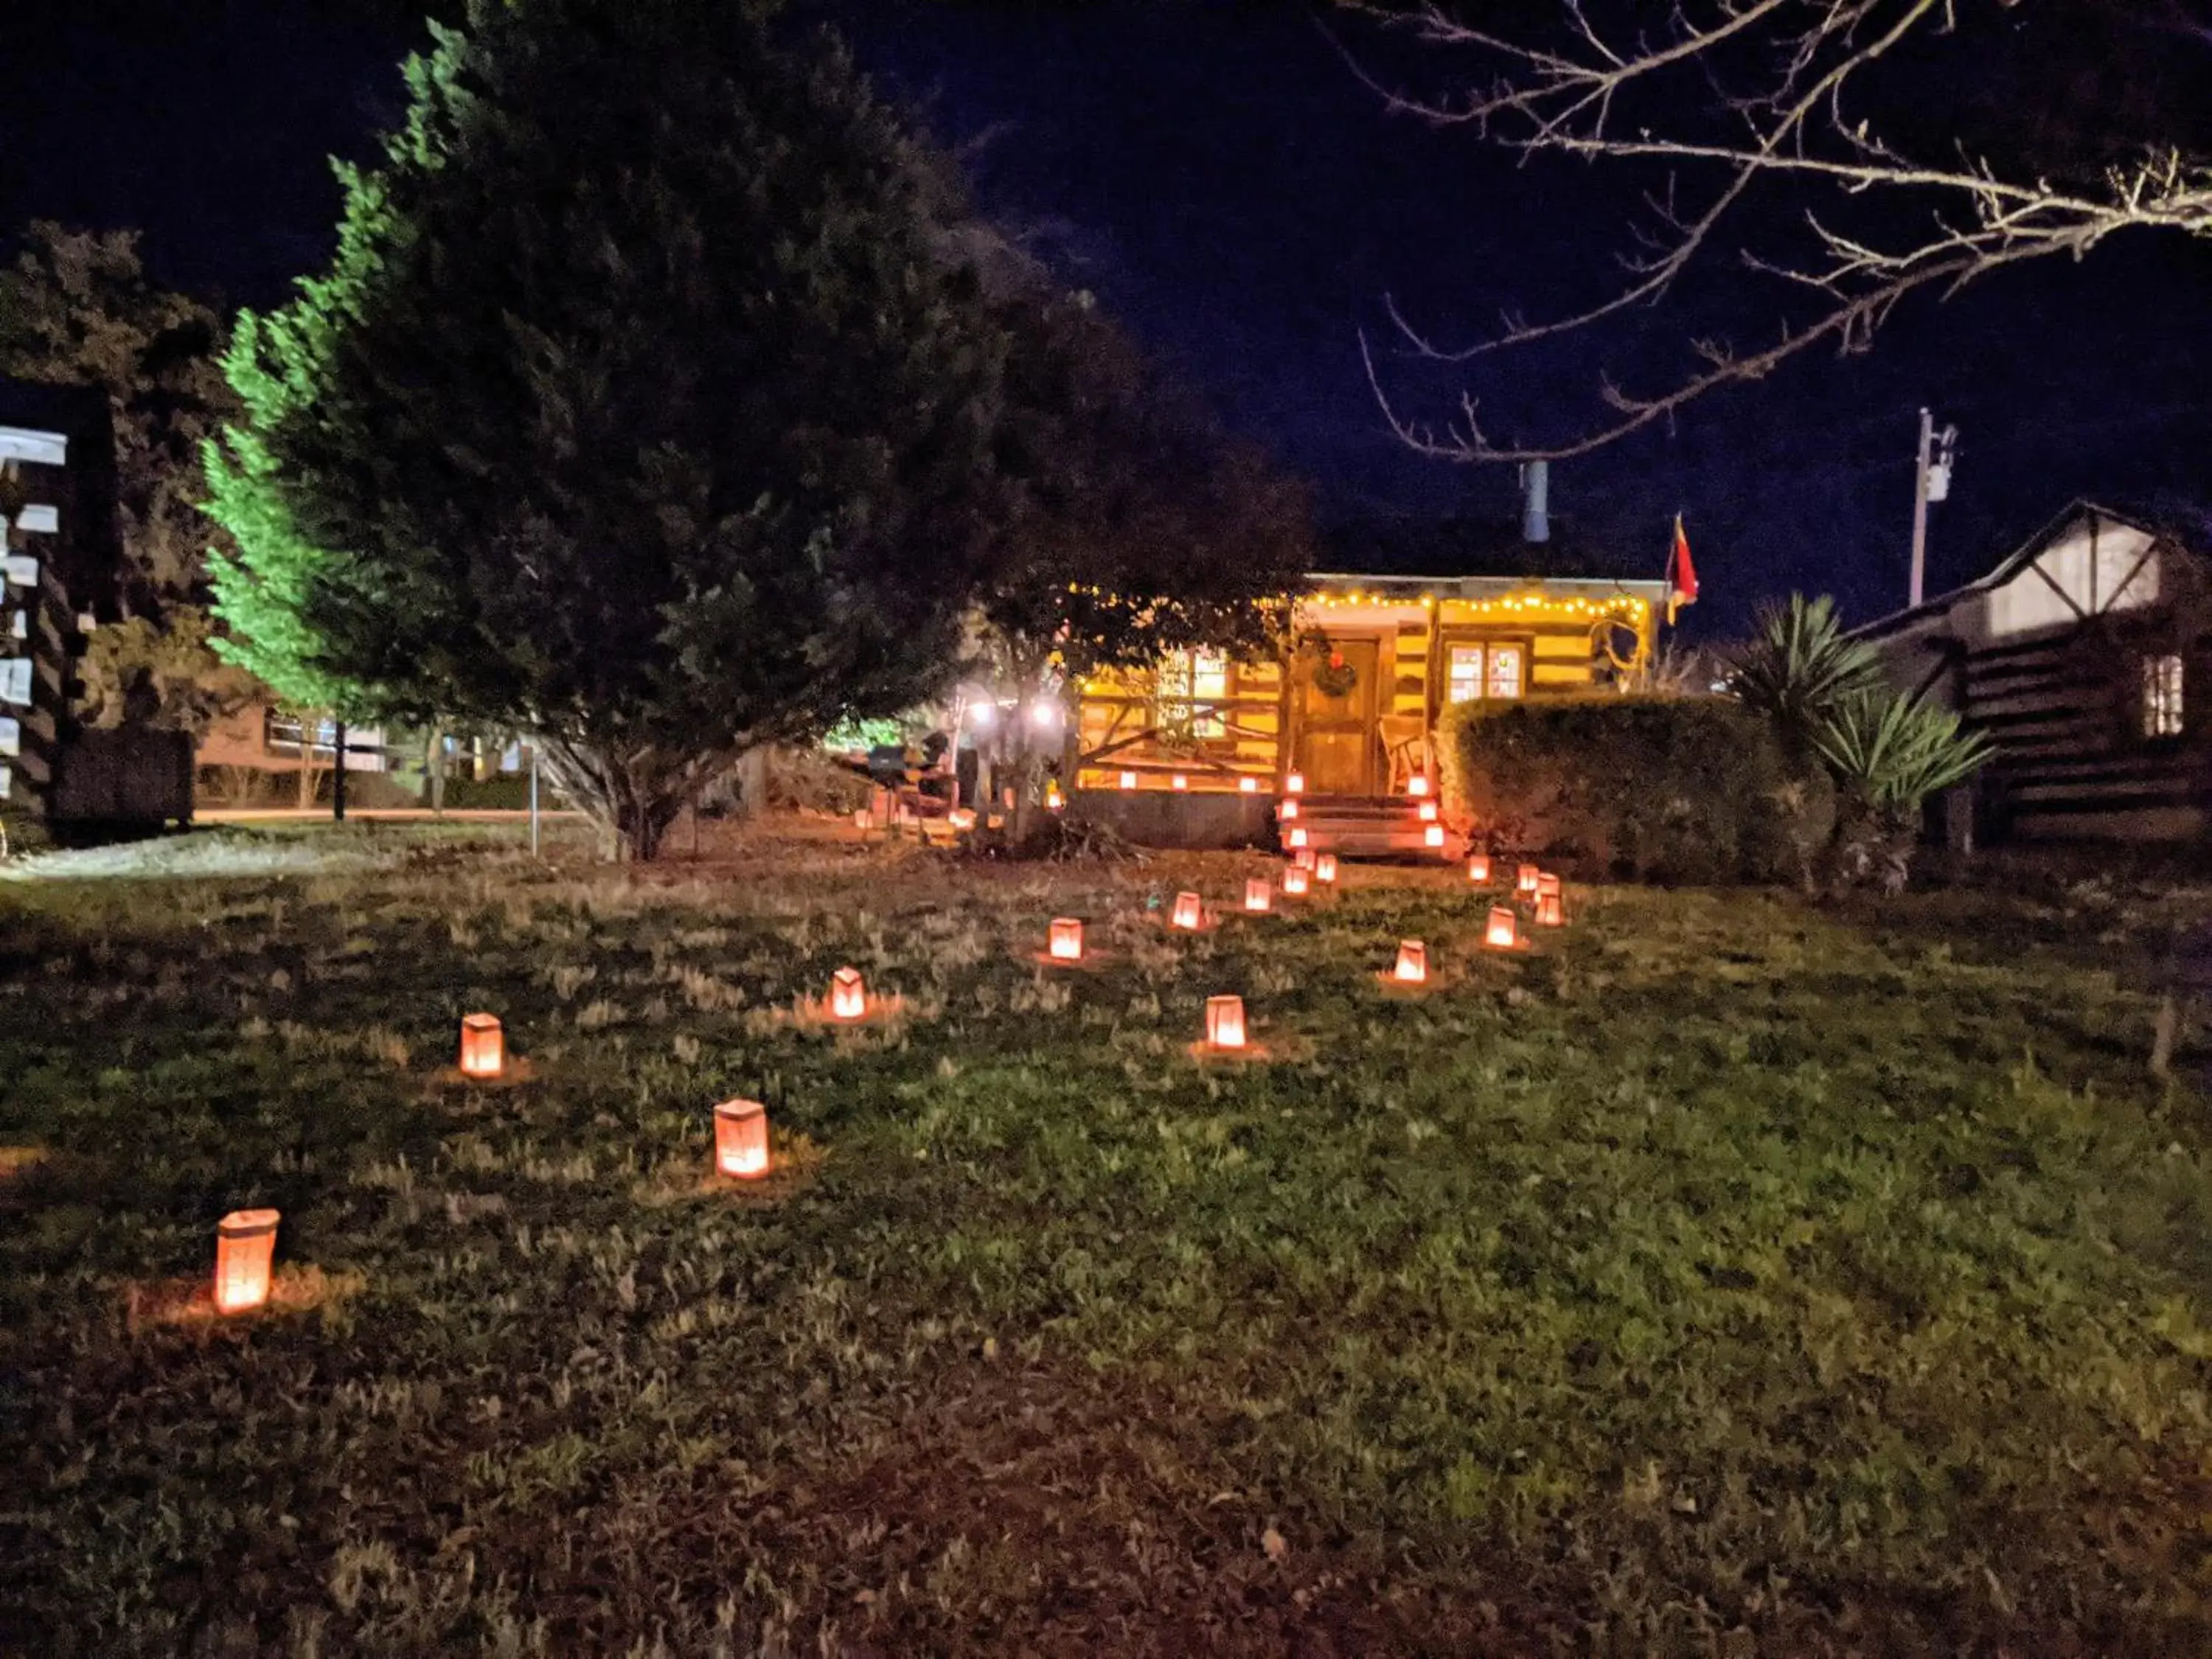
column 1197, row 750
column 2086, row 659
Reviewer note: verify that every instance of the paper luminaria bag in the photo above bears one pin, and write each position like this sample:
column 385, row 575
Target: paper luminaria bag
column 244, row 1246
column 741, row 1139
column 1224, row 1022
column 484, row 1046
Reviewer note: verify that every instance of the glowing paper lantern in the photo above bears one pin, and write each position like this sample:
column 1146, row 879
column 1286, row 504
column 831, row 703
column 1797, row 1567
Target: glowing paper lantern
column 1295, row 784
column 1303, row 857
column 245, row 1245
column 1433, row 837
column 1412, row 963
column 1054, row 800
column 1297, row 837
column 1417, row 784
column 1549, row 911
column 1288, row 809
column 961, row 818
column 1187, row 910
column 848, row 997
column 1180, row 781
column 1064, row 939
column 741, row 1139
column 1224, row 1022
column 1547, row 882
column 484, row 1046
column 1128, row 779
column 1428, row 811
column 1257, row 894
column 1247, row 786
column 1525, row 883
column 860, row 817
column 1325, row 868
column 1294, row 878
column 1478, row 869
column 1505, row 931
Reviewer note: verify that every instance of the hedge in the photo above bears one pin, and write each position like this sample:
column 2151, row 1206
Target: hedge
column 1670, row 789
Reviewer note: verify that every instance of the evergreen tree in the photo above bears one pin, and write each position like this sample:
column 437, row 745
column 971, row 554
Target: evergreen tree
column 643, row 407
column 1134, row 528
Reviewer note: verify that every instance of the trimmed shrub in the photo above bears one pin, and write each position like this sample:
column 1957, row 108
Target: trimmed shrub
column 1672, row 789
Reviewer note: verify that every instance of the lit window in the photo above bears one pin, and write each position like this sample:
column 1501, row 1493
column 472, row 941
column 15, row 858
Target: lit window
column 1504, row 670
column 2161, row 696
column 1484, row 671
column 1193, row 686
column 1465, row 684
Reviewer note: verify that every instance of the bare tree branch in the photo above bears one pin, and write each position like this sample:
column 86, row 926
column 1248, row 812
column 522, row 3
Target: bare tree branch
column 1794, row 62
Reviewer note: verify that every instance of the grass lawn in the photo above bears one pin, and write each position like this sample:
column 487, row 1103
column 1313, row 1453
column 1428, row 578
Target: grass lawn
column 1723, row 1275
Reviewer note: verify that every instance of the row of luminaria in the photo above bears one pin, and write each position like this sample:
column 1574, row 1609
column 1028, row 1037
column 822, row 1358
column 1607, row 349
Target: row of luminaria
column 245, row 1240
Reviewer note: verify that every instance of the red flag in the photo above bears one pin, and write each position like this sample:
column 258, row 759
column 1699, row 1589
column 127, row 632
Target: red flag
column 1681, row 575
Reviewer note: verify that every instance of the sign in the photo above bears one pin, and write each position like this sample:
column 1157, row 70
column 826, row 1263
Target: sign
column 16, row 681
column 11, row 735
column 20, row 570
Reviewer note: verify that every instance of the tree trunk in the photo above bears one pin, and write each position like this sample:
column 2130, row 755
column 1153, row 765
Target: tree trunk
column 631, row 795
column 310, row 723
column 338, row 774
column 753, row 782
column 434, row 768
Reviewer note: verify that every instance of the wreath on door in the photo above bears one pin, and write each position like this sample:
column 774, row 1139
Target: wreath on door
column 1334, row 677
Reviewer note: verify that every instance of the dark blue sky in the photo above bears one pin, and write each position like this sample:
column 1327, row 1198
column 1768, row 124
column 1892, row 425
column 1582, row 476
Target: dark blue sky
column 1216, row 176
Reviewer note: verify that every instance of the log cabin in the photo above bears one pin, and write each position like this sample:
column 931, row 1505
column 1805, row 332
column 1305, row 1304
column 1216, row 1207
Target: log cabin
column 2083, row 656
column 1200, row 750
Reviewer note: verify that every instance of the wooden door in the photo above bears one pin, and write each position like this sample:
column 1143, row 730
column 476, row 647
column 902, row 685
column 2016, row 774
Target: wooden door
column 1336, row 734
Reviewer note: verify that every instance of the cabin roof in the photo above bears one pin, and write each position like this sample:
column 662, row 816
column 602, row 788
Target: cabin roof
column 2017, row 560
column 1416, row 549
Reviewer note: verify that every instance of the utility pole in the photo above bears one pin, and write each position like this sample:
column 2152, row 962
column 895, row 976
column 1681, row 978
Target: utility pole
column 1931, row 482
column 1920, row 511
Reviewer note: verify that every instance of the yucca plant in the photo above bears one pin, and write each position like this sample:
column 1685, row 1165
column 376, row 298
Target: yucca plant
column 1801, row 667
column 1888, row 754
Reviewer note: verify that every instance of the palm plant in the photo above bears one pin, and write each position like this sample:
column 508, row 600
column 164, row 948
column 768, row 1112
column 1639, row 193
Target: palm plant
column 1801, row 667
column 1888, row 754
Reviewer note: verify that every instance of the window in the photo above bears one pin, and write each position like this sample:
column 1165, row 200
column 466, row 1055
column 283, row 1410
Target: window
column 1484, row 671
column 1504, row 670
column 1189, row 678
column 2161, row 696
column 1465, row 683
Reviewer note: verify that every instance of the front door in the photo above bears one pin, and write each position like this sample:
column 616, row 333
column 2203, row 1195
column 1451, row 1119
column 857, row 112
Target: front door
column 1336, row 716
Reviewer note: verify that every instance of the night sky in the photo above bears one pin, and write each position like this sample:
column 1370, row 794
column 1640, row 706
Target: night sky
column 1218, row 177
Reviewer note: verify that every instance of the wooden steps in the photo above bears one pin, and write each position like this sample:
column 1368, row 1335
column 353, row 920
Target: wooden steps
column 1366, row 827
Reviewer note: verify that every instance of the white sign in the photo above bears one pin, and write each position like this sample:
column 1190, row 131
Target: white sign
column 39, row 521
column 16, row 681
column 19, row 625
column 7, row 781
column 11, row 735
column 20, row 570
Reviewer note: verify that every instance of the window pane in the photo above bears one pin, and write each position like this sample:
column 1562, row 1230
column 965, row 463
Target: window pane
column 1465, row 683
column 1209, row 680
column 1504, row 670
column 2161, row 696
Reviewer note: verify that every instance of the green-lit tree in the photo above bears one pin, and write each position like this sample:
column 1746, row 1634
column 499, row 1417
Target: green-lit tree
column 646, row 407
